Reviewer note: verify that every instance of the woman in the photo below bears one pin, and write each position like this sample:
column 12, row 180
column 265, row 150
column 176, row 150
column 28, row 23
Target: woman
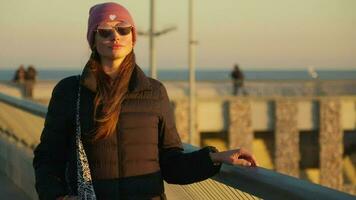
column 119, row 123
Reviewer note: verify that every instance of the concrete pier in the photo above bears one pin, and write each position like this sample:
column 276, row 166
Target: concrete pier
column 283, row 119
column 287, row 154
column 331, row 144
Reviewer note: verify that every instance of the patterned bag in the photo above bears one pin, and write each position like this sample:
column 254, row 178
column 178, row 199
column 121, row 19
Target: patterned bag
column 84, row 181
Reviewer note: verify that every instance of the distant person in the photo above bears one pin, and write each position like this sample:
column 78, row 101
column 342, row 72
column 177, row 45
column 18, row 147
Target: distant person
column 237, row 79
column 30, row 79
column 19, row 76
column 31, row 73
column 19, row 79
column 110, row 133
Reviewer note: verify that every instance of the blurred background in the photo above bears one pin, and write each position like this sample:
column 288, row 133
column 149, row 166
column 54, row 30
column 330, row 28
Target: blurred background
column 283, row 35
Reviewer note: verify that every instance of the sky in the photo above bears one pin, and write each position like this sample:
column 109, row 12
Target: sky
column 256, row 34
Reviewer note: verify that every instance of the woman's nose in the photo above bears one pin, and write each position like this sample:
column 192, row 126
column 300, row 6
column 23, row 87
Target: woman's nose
column 116, row 35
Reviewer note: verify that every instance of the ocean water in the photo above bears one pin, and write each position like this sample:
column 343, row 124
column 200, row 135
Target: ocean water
column 207, row 75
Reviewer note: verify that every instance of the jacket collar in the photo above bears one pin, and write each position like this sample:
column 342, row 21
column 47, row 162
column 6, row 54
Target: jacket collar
column 138, row 81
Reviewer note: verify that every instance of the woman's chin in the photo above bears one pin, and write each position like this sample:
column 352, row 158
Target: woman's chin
column 119, row 53
column 115, row 56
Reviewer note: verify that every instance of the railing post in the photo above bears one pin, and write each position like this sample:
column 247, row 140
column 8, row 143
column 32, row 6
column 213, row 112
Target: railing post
column 331, row 144
column 287, row 154
column 181, row 113
column 240, row 124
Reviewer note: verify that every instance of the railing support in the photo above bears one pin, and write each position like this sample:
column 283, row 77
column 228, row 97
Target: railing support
column 287, row 154
column 331, row 144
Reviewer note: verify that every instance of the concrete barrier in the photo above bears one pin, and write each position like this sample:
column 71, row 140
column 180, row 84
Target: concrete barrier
column 16, row 163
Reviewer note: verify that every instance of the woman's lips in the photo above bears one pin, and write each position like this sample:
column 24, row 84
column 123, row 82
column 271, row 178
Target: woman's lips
column 116, row 46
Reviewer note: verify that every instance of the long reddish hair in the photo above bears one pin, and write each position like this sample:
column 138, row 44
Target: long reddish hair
column 110, row 94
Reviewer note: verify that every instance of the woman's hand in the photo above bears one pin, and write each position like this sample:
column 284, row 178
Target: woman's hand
column 234, row 157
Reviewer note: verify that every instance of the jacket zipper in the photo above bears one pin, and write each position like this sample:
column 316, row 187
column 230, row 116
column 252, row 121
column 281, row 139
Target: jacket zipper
column 119, row 143
column 119, row 149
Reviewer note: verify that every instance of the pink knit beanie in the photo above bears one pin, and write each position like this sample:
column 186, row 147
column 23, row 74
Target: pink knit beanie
column 106, row 12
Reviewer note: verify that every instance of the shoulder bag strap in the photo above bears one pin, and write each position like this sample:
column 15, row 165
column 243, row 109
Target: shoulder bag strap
column 84, row 181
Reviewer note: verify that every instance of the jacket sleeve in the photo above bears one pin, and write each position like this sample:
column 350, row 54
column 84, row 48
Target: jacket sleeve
column 50, row 155
column 178, row 167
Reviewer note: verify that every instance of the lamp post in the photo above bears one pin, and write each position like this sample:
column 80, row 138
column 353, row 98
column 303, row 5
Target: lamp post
column 194, row 137
column 153, row 70
column 152, row 34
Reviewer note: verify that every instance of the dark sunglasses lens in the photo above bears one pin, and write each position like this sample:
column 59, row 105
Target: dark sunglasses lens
column 123, row 30
column 104, row 33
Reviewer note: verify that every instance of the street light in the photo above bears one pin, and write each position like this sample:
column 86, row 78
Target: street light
column 194, row 137
column 152, row 34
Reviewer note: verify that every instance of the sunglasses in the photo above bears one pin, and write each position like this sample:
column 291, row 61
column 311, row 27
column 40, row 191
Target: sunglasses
column 107, row 32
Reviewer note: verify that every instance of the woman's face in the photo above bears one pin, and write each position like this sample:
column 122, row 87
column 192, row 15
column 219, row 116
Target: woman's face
column 113, row 40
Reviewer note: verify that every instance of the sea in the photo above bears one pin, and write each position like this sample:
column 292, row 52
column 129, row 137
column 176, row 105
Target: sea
column 204, row 74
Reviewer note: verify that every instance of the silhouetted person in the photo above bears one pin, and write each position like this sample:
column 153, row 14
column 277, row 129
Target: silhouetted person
column 30, row 79
column 19, row 79
column 20, row 74
column 237, row 79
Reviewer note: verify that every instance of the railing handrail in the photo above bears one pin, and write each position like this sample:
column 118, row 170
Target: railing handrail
column 257, row 181
column 268, row 184
column 23, row 104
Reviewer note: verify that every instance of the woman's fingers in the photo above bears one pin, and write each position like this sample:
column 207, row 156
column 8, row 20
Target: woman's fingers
column 237, row 157
column 249, row 158
column 252, row 157
column 245, row 155
column 241, row 162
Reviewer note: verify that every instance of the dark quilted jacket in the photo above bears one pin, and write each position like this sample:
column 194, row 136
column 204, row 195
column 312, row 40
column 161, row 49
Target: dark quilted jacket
column 132, row 163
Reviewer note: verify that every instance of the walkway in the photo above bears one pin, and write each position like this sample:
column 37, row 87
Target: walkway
column 9, row 190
